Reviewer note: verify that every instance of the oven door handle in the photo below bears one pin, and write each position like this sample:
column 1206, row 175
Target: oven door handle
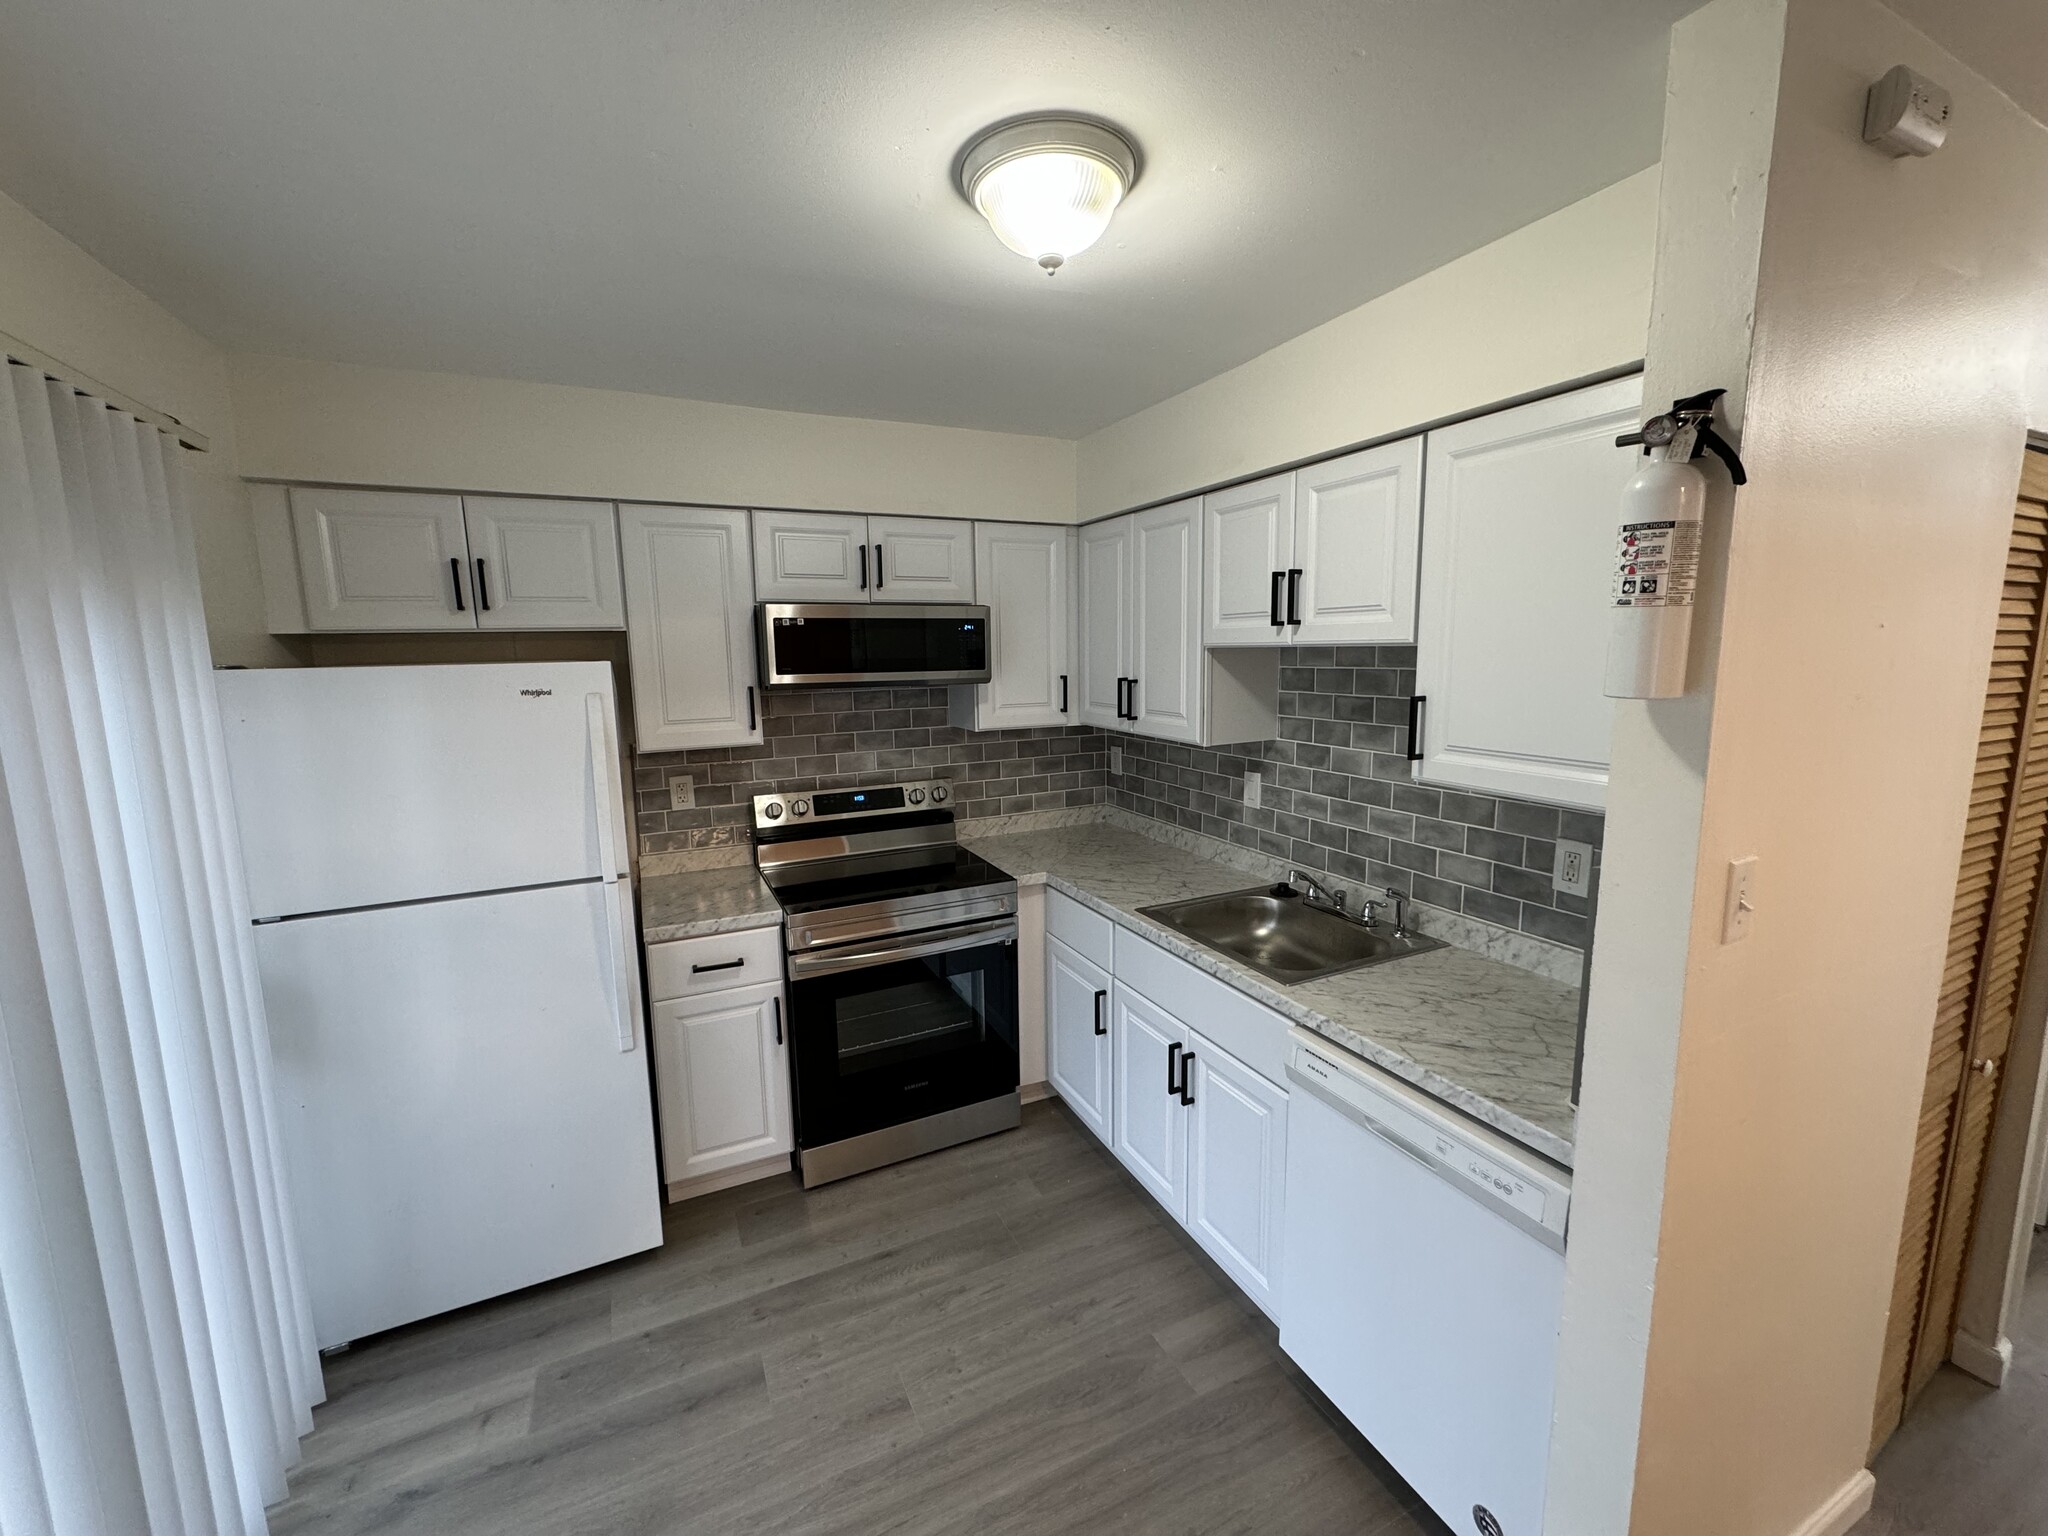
column 831, row 962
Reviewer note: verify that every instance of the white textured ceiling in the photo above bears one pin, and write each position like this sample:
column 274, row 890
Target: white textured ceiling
column 750, row 201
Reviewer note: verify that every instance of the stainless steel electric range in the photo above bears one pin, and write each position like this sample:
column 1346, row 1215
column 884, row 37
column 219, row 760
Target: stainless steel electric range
column 902, row 974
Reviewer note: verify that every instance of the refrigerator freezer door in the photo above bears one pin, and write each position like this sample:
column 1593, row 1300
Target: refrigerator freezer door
column 458, row 1118
column 358, row 786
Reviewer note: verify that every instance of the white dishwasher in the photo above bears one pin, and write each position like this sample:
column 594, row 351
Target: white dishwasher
column 1423, row 1283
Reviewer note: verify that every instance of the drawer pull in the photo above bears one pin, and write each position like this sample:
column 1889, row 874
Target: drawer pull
column 723, row 965
column 1100, row 1027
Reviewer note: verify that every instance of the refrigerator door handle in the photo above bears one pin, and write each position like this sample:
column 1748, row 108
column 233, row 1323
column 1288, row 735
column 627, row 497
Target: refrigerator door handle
column 619, row 932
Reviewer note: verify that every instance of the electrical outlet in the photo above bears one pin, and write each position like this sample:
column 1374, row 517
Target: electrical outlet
column 1116, row 762
column 682, row 793
column 1573, row 871
column 1254, row 786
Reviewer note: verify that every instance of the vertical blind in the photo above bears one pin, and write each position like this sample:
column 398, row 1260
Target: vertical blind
column 156, row 1357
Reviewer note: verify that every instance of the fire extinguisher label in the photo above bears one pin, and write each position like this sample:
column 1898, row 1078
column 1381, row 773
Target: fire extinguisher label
column 1658, row 565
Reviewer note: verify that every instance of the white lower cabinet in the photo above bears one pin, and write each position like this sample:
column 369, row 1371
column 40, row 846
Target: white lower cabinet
column 721, row 1074
column 1237, row 1169
column 1203, row 1132
column 1149, row 1132
column 1077, row 1034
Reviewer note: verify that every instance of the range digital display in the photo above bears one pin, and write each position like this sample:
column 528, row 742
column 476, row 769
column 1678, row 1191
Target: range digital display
column 844, row 802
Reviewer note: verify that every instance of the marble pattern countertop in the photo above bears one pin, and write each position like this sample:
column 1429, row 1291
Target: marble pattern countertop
column 692, row 903
column 1489, row 1038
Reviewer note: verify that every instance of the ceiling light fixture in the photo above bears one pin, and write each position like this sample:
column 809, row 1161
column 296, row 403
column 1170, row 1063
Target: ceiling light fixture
column 1047, row 185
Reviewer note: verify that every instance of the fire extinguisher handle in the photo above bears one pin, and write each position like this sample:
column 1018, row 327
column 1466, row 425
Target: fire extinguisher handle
column 1717, row 445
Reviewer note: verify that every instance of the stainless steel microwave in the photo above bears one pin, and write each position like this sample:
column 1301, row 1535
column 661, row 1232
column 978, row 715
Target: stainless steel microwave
column 805, row 645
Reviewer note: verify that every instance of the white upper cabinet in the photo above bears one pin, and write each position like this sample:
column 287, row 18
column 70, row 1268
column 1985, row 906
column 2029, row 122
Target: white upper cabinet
column 382, row 560
column 544, row 564
column 1249, row 544
column 1164, row 696
column 1141, row 663
column 921, row 560
column 1103, row 620
column 1324, row 555
column 1518, row 533
column 835, row 557
column 810, row 557
column 407, row 560
column 689, row 627
column 1357, row 542
column 1023, row 571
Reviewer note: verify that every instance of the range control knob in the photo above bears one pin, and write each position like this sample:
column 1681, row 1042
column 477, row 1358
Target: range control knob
column 802, row 808
column 916, row 797
column 939, row 794
column 772, row 811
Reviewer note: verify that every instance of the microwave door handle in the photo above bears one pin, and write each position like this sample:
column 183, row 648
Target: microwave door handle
column 618, row 928
column 831, row 963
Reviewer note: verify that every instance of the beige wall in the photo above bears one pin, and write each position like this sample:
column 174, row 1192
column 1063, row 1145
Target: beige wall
column 1556, row 300
column 380, row 426
column 60, row 301
column 1831, row 736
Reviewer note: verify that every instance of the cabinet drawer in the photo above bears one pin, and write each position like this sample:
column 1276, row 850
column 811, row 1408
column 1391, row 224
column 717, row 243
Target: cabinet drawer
column 1253, row 1033
column 1084, row 931
column 687, row 967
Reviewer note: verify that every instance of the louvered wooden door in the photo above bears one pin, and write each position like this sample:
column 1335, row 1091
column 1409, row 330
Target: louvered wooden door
column 1990, row 928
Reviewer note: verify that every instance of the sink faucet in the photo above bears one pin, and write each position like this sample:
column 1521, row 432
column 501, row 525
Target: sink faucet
column 1316, row 890
column 1400, row 900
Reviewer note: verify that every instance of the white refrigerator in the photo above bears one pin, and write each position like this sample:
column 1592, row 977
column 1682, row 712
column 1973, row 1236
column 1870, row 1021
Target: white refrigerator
column 437, row 871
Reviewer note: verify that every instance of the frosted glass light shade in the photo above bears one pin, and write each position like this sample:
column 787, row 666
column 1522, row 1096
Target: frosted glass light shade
column 1048, row 187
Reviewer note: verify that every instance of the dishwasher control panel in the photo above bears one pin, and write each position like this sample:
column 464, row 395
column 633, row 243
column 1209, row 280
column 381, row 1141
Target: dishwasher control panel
column 1511, row 1181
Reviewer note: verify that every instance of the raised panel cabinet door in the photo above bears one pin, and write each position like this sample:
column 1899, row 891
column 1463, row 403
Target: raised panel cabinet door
column 689, row 627
column 382, row 560
column 1103, row 621
column 920, row 560
column 1247, row 548
column 539, row 564
column 1357, row 543
column 1021, row 574
column 1166, row 625
column 1237, row 1169
column 1077, row 993
column 811, row 557
column 1518, row 529
column 721, row 1073
column 1148, row 1124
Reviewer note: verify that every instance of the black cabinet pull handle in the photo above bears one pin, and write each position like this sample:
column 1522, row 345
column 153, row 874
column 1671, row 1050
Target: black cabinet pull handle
column 1273, row 608
column 455, row 576
column 723, row 965
column 1100, row 1027
column 863, row 567
column 750, row 707
column 778, row 1019
column 483, row 592
column 1120, row 698
column 1134, row 700
column 878, row 567
column 1187, row 1063
column 1294, row 596
column 1415, row 728
column 1063, row 693
column 1172, row 1064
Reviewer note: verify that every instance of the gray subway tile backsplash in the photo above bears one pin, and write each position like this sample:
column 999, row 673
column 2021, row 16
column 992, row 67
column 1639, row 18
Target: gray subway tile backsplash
column 1337, row 794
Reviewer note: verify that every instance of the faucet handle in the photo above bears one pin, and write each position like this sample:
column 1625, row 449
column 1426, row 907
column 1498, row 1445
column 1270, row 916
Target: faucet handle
column 1399, row 898
column 1369, row 910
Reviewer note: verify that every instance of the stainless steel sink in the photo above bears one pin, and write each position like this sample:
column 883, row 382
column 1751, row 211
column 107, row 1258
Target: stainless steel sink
column 1283, row 937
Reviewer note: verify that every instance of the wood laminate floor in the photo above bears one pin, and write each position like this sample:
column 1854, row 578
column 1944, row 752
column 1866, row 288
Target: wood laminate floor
column 1972, row 1460
column 1007, row 1337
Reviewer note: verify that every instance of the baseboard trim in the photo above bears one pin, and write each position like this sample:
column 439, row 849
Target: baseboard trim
column 1850, row 1504
column 1987, row 1362
column 1031, row 1093
column 728, row 1178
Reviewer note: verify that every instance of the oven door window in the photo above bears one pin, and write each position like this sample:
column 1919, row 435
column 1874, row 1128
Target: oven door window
column 900, row 1039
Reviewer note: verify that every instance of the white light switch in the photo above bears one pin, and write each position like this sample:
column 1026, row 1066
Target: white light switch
column 682, row 793
column 1741, row 907
column 1254, row 784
